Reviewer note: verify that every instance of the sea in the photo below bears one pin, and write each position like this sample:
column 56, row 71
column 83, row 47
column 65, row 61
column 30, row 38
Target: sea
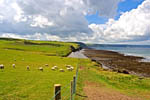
column 134, row 50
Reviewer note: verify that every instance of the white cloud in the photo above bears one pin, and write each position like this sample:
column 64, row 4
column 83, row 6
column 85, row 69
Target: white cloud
column 36, row 36
column 131, row 26
column 11, row 35
column 18, row 17
column 55, row 17
column 1, row 1
column 41, row 22
column 105, row 8
column 65, row 20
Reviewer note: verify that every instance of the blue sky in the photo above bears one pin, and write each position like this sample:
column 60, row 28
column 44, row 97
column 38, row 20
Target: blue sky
column 124, row 6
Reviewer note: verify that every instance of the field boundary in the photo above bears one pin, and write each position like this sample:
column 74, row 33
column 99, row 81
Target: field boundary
column 70, row 89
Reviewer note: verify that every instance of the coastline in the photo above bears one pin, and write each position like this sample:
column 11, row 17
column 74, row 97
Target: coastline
column 78, row 54
column 118, row 62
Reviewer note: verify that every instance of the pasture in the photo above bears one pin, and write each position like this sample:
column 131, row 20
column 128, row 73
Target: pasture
column 20, row 84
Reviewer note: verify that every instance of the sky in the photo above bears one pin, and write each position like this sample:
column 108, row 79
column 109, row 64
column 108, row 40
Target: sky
column 89, row 21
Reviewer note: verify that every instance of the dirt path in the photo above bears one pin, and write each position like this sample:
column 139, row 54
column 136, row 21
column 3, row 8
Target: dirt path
column 94, row 91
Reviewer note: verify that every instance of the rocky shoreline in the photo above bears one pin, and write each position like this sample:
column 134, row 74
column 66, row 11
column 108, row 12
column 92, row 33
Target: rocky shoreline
column 120, row 63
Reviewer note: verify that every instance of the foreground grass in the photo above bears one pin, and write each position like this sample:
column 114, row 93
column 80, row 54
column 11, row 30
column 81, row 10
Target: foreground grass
column 20, row 84
column 129, row 85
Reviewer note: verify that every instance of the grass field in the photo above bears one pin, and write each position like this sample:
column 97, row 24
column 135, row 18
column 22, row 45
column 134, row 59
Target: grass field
column 130, row 85
column 20, row 84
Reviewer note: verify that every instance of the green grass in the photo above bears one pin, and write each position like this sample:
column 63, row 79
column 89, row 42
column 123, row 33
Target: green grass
column 50, row 48
column 129, row 85
column 20, row 84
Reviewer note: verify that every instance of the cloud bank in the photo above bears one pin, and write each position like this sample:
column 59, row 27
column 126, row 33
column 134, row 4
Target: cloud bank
column 131, row 26
column 64, row 20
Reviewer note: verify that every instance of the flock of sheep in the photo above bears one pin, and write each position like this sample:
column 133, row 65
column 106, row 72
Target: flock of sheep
column 68, row 67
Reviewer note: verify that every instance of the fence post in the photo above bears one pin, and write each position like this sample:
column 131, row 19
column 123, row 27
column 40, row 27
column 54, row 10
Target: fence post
column 71, row 91
column 57, row 90
column 74, row 84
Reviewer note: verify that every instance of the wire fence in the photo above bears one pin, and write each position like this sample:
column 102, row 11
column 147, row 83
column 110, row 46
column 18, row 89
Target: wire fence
column 68, row 91
column 64, row 90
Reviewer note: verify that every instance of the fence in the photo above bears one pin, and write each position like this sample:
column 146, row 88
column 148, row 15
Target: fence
column 68, row 91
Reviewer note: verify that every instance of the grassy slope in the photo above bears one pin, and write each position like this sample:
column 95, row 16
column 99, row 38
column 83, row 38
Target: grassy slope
column 127, row 84
column 44, row 47
column 18, row 84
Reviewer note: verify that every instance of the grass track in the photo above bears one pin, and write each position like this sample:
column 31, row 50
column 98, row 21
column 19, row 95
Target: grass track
column 130, row 85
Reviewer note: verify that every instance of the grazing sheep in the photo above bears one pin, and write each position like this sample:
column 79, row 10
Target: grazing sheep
column 53, row 68
column 68, row 66
column 69, row 69
column 28, row 68
column 1, row 66
column 41, row 68
column 13, row 65
column 61, row 70
column 46, row 65
column 72, row 68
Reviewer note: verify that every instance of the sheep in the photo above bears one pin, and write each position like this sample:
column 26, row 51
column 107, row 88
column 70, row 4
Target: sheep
column 46, row 65
column 28, row 68
column 13, row 65
column 61, row 70
column 53, row 68
column 41, row 68
column 68, row 66
column 70, row 69
column 1, row 66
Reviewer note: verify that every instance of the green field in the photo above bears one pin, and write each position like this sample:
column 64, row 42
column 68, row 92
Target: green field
column 129, row 85
column 20, row 84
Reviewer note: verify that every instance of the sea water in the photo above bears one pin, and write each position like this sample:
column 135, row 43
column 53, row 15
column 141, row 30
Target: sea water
column 135, row 50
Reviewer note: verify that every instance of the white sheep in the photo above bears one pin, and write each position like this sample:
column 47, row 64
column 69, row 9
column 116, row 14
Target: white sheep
column 1, row 66
column 68, row 66
column 61, row 70
column 53, row 68
column 46, row 65
column 28, row 68
column 41, row 68
column 72, row 68
column 13, row 65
